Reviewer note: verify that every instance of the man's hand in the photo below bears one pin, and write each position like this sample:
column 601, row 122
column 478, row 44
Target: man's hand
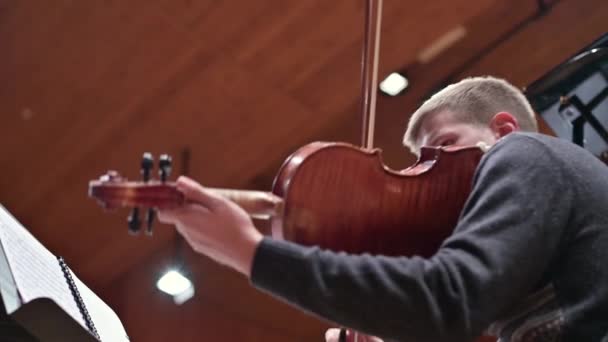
column 333, row 335
column 214, row 226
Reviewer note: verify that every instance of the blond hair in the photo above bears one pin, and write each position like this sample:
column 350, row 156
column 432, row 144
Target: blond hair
column 474, row 100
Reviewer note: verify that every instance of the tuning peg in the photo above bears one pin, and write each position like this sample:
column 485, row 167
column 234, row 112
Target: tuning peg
column 149, row 221
column 164, row 165
column 134, row 222
column 147, row 162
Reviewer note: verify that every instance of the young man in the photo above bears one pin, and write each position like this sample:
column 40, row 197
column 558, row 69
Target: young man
column 527, row 261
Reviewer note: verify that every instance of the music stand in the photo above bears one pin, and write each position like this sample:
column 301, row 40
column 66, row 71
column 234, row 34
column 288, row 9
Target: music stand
column 572, row 98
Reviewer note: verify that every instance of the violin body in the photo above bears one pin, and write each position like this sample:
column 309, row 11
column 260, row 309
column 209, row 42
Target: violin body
column 342, row 197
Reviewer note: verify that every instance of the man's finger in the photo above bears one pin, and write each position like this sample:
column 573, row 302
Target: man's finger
column 172, row 216
column 167, row 216
column 338, row 335
column 195, row 192
column 332, row 335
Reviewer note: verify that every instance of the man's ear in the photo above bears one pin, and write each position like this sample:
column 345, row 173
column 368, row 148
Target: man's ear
column 503, row 123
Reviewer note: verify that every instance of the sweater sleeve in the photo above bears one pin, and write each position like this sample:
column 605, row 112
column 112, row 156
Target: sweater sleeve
column 508, row 233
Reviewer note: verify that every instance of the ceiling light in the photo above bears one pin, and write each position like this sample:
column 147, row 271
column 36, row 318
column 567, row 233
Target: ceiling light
column 394, row 84
column 176, row 285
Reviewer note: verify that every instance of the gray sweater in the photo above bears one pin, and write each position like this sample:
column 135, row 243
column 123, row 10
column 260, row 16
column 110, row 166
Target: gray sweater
column 528, row 259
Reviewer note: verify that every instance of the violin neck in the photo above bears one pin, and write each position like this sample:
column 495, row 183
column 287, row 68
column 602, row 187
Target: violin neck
column 258, row 204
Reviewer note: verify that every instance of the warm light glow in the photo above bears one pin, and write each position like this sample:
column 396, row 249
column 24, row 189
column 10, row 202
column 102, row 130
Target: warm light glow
column 176, row 285
column 394, row 84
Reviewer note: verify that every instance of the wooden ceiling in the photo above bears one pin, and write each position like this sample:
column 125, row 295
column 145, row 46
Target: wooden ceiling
column 239, row 84
column 234, row 87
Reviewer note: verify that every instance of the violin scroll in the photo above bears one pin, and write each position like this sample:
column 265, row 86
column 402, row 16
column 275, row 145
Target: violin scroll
column 113, row 191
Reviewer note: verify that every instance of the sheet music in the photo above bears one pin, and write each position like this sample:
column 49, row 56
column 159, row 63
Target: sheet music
column 36, row 270
column 108, row 325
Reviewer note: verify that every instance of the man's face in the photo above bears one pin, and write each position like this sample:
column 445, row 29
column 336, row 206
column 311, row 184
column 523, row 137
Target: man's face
column 443, row 129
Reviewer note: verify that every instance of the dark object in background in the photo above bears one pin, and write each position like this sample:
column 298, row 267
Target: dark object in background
column 12, row 331
column 572, row 98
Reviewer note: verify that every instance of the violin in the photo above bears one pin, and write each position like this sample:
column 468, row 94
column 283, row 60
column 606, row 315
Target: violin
column 337, row 195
